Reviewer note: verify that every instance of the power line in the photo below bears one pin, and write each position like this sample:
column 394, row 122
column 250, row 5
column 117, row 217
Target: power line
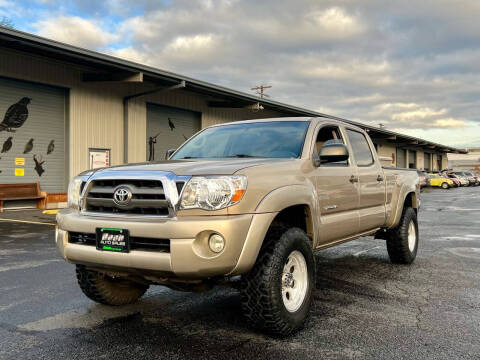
column 260, row 90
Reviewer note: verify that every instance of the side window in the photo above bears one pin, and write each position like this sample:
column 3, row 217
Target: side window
column 327, row 135
column 360, row 147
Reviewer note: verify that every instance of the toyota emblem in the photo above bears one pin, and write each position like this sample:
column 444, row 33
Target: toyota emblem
column 122, row 196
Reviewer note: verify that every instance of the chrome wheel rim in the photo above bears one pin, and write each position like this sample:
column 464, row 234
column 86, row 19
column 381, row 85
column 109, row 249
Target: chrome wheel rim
column 412, row 236
column 294, row 281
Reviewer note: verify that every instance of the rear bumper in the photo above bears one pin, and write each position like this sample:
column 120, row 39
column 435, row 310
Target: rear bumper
column 189, row 256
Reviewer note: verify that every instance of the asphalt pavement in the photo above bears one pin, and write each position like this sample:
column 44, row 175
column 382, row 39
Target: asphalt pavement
column 364, row 307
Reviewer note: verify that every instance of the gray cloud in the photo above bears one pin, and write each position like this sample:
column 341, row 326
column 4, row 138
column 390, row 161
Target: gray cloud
column 412, row 65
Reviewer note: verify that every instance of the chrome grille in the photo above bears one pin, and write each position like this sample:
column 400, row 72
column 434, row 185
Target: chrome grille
column 148, row 197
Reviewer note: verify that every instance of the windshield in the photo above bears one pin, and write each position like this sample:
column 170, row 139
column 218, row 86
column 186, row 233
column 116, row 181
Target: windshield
column 274, row 139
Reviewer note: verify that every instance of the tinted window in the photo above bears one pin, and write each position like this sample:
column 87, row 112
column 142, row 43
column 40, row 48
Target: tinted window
column 275, row 139
column 361, row 149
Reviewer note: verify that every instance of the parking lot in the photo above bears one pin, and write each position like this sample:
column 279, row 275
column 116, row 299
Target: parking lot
column 364, row 307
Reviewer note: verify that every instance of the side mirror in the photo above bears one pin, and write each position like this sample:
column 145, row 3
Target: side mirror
column 333, row 152
column 169, row 153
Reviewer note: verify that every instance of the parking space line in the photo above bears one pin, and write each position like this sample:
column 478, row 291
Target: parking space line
column 28, row 222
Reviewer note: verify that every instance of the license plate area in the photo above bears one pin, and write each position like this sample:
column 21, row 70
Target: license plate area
column 111, row 239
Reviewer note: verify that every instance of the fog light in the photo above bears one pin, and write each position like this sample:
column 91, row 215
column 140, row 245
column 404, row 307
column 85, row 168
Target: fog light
column 216, row 243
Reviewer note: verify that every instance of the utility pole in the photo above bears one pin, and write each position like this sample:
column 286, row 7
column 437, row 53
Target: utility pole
column 259, row 90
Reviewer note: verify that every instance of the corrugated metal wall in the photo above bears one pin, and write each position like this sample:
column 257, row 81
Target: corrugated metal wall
column 96, row 121
column 387, row 150
column 420, row 162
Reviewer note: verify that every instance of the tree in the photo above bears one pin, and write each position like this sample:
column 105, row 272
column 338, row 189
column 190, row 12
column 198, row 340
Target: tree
column 6, row 22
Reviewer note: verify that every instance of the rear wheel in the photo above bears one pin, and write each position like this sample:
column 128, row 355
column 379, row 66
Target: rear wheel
column 402, row 242
column 276, row 293
column 108, row 290
column 444, row 185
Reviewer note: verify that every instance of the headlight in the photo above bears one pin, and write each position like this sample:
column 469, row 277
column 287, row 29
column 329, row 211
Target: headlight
column 213, row 193
column 74, row 192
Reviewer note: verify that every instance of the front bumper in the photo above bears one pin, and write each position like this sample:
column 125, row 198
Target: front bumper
column 189, row 255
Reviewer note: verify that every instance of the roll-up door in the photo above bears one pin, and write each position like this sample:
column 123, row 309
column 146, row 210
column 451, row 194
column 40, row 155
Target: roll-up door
column 401, row 158
column 168, row 128
column 32, row 134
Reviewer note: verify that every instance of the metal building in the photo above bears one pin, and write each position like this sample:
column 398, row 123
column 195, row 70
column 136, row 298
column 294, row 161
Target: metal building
column 64, row 109
column 465, row 162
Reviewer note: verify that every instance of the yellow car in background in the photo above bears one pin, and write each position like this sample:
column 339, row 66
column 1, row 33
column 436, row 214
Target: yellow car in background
column 439, row 181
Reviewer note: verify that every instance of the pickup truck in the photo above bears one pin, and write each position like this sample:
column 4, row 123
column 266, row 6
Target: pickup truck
column 243, row 204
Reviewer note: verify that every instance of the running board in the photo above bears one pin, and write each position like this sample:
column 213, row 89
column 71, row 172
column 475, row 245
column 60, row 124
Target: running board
column 350, row 238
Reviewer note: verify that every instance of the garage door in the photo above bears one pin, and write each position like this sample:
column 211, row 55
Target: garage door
column 426, row 161
column 169, row 127
column 401, row 158
column 32, row 134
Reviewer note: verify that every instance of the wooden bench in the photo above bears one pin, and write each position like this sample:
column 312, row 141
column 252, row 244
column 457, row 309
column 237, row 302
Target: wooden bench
column 21, row 191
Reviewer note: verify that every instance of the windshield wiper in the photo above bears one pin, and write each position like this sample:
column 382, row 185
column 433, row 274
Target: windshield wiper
column 242, row 156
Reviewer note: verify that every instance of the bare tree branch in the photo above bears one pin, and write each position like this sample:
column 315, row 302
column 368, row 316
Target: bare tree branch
column 6, row 22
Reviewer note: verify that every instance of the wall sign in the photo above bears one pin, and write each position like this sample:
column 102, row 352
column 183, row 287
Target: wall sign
column 20, row 161
column 99, row 158
column 19, row 172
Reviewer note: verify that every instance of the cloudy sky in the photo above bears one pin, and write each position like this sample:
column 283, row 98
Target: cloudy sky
column 411, row 65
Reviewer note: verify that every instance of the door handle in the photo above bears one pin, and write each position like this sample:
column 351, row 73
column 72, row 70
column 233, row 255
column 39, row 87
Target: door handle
column 379, row 178
column 353, row 179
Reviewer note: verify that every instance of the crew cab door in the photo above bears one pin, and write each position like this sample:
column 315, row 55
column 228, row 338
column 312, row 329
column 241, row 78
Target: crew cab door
column 337, row 191
column 372, row 212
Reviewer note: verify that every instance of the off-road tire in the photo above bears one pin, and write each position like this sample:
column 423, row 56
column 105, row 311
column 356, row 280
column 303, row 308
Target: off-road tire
column 444, row 185
column 261, row 288
column 397, row 239
column 107, row 290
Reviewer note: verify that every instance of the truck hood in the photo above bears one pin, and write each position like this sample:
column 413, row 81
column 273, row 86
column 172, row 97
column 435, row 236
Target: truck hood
column 197, row 166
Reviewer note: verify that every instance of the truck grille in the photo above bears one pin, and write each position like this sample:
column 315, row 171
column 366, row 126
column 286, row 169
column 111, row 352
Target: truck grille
column 148, row 197
column 136, row 243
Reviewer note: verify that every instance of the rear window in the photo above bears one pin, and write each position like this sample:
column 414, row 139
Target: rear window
column 361, row 149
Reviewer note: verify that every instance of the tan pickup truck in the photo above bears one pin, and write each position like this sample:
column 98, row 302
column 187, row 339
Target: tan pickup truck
column 244, row 203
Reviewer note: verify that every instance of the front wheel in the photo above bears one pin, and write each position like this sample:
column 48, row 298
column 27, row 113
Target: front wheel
column 444, row 185
column 402, row 242
column 277, row 292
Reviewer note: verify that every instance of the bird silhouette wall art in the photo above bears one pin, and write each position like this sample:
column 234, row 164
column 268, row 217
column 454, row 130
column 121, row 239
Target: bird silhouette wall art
column 7, row 145
column 38, row 159
column 28, row 146
column 51, row 147
column 16, row 115
column 171, row 124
